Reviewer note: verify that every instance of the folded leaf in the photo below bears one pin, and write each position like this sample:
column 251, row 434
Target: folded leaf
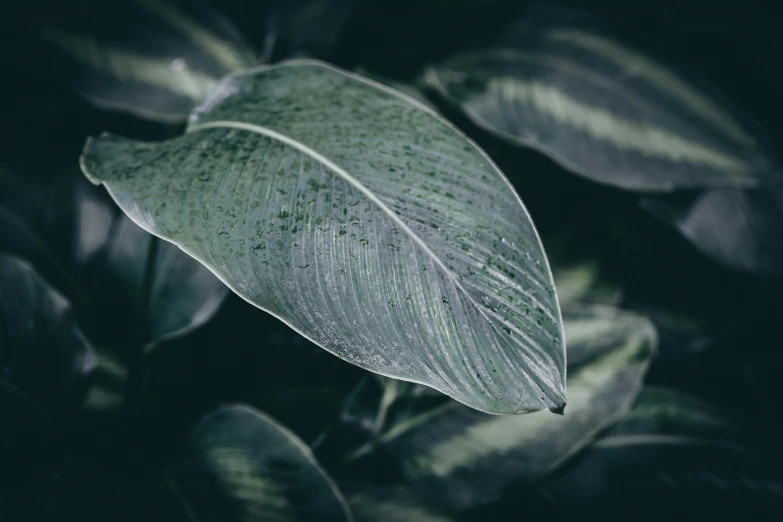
column 362, row 220
column 242, row 465
column 463, row 457
column 177, row 295
column 740, row 229
column 153, row 58
column 604, row 110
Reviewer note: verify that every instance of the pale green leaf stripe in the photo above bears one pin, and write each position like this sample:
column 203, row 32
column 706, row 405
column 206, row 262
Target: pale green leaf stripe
column 504, row 433
column 666, row 80
column 241, row 460
column 600, row 124
column 126, row 66
column 465, row 458
column 223, row 52
column 361, row 219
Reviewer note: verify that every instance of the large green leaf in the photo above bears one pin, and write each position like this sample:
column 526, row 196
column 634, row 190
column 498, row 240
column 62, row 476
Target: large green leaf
column 45, row 358
column 464, row 457
column 361, row 219
column 172, row 292
column 604, row 110
column 242, row 465
column 391, row 504
column 740, row 229
column 153, row 58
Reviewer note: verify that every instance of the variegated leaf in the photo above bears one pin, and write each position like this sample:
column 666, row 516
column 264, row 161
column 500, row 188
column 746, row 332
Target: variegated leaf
column 153, row 58
column 740, row 229
column 362, row 220
column 241, row 465
column 605, row 110
column 672, row 454
column 463, row 457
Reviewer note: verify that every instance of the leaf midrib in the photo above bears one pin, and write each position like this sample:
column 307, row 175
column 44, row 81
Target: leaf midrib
column 264, row 131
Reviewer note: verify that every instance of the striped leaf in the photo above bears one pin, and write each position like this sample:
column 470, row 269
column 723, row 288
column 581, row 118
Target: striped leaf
column 582, row 283
column 171, row 292
column 153, row 58
column 463, row 457
column 240, row 465
column 391, row 504
column 604, row 110
column 673, row 455
column 362, row 220
column 740, row 229
column 45, row 358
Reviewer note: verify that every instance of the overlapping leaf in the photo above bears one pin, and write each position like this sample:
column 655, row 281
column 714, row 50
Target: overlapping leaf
column 362, row 220
column 740, row 229
column 464, row 457
column 242, row 465
column 173, row 293
column 604, row 109
column 391, row 504
column 153, row 58
column 44, row 356
column 672, row 454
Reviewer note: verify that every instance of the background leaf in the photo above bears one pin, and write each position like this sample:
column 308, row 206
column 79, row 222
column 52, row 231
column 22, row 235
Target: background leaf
column 391, row 504
column 741, row 229
column 674, row 455
column 464, row 458
column 419, row 263
column 172, row 292
column 155, row 59
column 603, row 109
column 242, row 465
column 44, row 356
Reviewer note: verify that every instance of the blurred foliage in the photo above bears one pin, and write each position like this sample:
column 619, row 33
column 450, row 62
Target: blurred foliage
column 101, row 404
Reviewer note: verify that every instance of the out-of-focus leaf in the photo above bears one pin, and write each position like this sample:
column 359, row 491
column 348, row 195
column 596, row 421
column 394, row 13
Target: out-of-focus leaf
column 174, row 293
column 45, row 358
column 582, row 283
column 305, row 27
column 364, row 221
column 411, row 89
column 741, row 229
column 57, row 222
column 604, row 110
column 152, row 58
column 464, row 458
column 391, row 504
column 242, row 465
column 671, row 454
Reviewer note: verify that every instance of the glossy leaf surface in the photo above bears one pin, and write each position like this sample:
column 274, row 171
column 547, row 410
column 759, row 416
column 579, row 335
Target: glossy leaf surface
column 361, row 219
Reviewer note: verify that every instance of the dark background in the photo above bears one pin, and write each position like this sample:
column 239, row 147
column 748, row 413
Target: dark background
column 735, row 361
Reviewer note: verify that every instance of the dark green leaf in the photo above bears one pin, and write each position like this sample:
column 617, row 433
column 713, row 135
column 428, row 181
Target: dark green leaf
column 740, row 229
column 604, row 110
column 153, row 58
column 242, row 465
column 174, row 293
column 361, row 219
column 44, row 356
column 391, row 504
column 464, row 457
column 672, row 454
